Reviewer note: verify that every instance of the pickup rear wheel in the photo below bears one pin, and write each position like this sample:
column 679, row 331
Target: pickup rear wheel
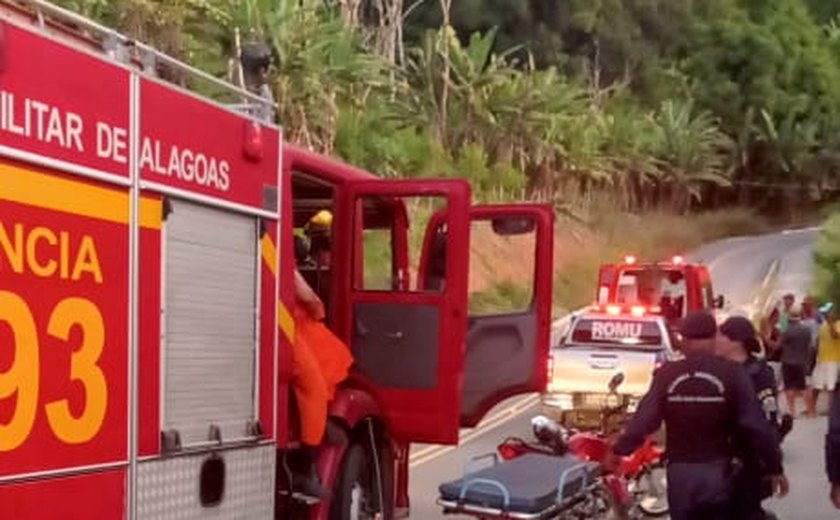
column 357, row 493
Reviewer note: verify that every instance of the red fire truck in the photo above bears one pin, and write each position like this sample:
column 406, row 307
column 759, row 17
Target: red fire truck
column 146, row 263
column 671, row 288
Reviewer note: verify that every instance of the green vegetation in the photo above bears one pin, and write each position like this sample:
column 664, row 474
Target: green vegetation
column 827, row 261
column 655, row 104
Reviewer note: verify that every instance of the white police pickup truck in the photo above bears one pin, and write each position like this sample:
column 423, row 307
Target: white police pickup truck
column 599, row 343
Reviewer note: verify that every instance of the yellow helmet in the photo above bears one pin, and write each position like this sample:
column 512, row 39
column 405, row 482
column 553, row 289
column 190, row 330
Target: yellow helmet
column 322, row 219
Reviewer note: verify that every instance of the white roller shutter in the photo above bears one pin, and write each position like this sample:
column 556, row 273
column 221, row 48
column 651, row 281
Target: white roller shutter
column 209, row 341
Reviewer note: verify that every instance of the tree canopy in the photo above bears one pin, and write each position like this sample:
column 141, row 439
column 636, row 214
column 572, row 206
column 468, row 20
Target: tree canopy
column 651, row 102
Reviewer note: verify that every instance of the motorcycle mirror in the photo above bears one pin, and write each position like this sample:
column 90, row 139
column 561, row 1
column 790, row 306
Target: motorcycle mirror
column 540, row 421
column 616, row 381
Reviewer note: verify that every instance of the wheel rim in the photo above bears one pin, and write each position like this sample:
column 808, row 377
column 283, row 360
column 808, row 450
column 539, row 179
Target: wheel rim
column 654, row 492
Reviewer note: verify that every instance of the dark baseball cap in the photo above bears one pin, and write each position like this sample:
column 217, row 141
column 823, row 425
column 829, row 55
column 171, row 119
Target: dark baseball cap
column 698, row 325
column 740, row 329
column 737, row 328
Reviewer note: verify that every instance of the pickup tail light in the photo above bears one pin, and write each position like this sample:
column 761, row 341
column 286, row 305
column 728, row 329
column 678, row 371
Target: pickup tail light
column 659, row 362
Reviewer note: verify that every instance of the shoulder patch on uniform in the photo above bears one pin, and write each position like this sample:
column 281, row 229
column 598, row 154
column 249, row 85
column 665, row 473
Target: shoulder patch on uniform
column 769, row 405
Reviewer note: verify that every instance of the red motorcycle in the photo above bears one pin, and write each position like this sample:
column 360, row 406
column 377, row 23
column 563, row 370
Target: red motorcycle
column 637, row 486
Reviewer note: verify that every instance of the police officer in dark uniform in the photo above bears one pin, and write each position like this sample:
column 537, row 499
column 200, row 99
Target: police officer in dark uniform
column 832, row 448
column 738, row 342
column 706, row 402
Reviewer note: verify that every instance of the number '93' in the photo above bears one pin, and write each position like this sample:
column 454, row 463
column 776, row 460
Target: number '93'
column 22, row 377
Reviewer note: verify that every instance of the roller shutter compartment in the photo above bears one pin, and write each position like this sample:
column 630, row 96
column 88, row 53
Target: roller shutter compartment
column 209, row 341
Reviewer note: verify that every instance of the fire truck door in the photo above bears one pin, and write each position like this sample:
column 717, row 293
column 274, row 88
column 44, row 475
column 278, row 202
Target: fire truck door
column 607, row 279
column 407, row 340
column 507, row 341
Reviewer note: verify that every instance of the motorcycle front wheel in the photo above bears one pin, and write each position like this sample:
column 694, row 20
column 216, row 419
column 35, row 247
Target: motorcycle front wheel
column 651, row 491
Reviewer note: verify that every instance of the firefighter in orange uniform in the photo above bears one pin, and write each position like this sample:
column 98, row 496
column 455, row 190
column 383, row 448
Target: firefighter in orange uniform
column 320, row 362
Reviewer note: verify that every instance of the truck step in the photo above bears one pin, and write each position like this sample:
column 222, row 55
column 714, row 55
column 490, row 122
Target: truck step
column 300, row 497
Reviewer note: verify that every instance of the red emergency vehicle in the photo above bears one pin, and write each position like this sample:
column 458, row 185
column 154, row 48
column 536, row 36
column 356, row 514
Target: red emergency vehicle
column 146, row 265
column 672, row 288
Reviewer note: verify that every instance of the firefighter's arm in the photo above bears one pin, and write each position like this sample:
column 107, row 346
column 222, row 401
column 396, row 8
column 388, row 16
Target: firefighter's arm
column 307, row 297
column 646, row 420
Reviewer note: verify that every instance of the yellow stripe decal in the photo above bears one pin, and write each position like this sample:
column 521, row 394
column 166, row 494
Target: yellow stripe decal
column 151, row 213
column 269, row 254
column 287, row 323
column 68, row 196
column 284, row 317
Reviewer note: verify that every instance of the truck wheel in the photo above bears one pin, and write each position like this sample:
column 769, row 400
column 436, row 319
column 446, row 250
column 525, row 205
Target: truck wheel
column 356, row 495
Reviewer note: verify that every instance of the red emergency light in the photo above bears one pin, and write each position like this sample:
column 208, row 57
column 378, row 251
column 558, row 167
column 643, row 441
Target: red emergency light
column 630, row 259
column 637, row 311
column 252, row 145
column 677, row 260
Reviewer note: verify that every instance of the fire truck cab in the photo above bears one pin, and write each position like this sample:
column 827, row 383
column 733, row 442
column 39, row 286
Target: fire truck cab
column 671, row 288
column 147, row 252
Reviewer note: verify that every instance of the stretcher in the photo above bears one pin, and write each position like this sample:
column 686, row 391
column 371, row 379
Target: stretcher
column 531, row 486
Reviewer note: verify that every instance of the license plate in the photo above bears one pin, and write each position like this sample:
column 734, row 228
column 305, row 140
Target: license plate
column 591, row 400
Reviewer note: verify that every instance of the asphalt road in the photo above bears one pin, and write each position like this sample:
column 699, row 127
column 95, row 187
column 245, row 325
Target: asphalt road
column 739, row 267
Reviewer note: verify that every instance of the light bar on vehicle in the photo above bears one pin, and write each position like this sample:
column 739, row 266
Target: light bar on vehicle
column 677, row 260
column 637, row 311
column 630, row 259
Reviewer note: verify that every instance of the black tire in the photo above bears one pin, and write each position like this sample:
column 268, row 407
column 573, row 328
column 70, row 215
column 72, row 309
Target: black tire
column 655, row 502
column 356, row 495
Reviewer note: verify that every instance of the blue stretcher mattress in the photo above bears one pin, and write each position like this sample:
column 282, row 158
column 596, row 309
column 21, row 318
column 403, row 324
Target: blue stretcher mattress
column 531, row 481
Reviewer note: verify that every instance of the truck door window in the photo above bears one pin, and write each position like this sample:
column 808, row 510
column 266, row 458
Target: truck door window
column 502, row 270
column 378, row 251
column 390, row 236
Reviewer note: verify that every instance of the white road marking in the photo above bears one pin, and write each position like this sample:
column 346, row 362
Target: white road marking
column 498, row 419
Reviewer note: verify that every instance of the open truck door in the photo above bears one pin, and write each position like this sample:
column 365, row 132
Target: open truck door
column 407, row 339
column 508, row 326
column 607, row 279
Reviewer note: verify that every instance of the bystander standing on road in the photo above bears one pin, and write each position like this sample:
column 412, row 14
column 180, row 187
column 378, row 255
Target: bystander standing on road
column 796, row 356
column 784, row 313
column 828, row 357
column 771, row 336
column 810, row 319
